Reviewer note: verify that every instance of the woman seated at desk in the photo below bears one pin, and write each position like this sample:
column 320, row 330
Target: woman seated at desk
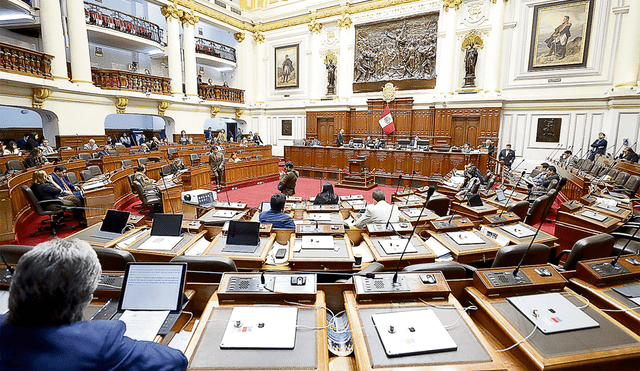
column 234, row 158
column 177, row 165
column 327, row 196
column 11, row 149
column 43, row 329
column 34, row 159
column 45, row 189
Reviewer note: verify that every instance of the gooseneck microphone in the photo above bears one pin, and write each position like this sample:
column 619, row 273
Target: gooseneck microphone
column 430, row 193
column 511, row 195
column 399, row 182
column 550, row 157
column 615, row 260
column 542, row 219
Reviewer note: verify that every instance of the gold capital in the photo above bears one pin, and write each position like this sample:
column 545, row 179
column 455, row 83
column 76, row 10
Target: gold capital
column 315, row 27
column 239, row 36
column 239, row 112
column 214, row 111
column 189, row 18
column 39, row 96
column 121, row 104
column 162, row 107
column 345, row 22
column 170, row 11
column 451, row 4
column 258, row 37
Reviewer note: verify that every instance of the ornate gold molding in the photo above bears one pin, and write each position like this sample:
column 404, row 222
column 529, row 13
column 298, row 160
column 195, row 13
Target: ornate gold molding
column 214, row 111
column 121, row 104
column 389, row 92
column 345, row 22
column 39, row 96
column 472, row 37
column 451, row 4
column 258, row 37
column 162, row 107
column 239, row 36
column 331, row 55
column 239, row 112
column 189, row 18
column 315, row 27
column 170, row 12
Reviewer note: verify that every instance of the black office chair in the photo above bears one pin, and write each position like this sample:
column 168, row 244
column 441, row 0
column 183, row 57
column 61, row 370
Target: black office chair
column 622, row 178
column 113, row 259
column 439, row 205
column 14, row 166
column 630, row 187
column 85, row 156
column 207, row 269
column 113, row 153
column 628, row 235
column 519, row 208
column 142, row 161
column 126, row 163
column 55, row 216
column 592, row 247
column 72, row 178
column 165, row 170
column 13, row 252
column 195, row 159
column 450, row 270
column 171, row 151
column 148, row 199
column 534, row 215
column 95, row 170
column 86, row 175
column 510, row 256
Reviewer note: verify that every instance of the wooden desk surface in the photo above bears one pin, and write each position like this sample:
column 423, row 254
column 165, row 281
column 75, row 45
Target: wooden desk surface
column 471, row 253
column 542, row 237
column 390, row 261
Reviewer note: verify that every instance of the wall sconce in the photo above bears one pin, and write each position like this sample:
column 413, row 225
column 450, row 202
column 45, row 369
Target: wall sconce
column 201, row 71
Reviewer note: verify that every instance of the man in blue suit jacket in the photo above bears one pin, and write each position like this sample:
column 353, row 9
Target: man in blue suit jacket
column 599, row 147
column 59, row 176
column 43, row 329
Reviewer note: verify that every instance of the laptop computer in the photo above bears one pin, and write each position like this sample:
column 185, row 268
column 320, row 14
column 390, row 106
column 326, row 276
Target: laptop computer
column 474, row 199
column 113, row 225
column 166, row 232
column 266, row 206
column 500, row 197
column 555, row 312
column 243, row 237
column 154, row 286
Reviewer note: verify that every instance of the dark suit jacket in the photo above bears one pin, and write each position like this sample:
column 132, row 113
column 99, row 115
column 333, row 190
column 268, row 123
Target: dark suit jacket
column 507, row 157
column 340, row 140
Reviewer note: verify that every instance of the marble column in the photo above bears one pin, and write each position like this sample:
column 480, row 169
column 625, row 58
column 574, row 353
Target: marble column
column 628, row 54
column 261, row 61
column 493, row 51
column 448, row 61
column 172, row 15
column 345, row 69
column 189, row 50
column 78, row 43
column 53, row 37
column 317, row 73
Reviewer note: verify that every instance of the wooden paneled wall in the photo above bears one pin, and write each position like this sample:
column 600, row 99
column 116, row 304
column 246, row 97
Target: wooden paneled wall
column 445, row 127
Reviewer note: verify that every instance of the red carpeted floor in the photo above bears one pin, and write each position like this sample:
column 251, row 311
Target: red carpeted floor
column 253, row 195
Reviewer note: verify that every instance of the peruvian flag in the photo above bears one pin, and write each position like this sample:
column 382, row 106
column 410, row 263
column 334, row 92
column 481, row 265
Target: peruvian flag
column 386, row 121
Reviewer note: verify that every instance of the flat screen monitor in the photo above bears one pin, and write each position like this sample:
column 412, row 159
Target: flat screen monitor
column 422, row 142
column 357, row 140
column 403, row 142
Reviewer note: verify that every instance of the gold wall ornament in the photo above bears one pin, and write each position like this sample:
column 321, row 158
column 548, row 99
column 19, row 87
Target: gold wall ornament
column 214, row 111
column 239, row 112
column 474, row 37
column 345, row 22
column 389, row 92
column 331, row 55
column 315, row 27
column 39, row 96
column 451, row 4
column 162, row 107
column 239, row 36
column 494, row 1
column 121, row 104
column 258, row 37
column 169, row 12
column 189, row 18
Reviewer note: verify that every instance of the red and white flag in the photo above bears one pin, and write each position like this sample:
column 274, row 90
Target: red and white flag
column 386, row 121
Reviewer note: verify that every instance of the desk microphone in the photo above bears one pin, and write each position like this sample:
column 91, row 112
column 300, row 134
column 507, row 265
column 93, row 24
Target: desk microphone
column 554, row 151
column 615, row 260
column 410, row 180
column 12, row 270
column 430, row 193
column 542, row 219
column 399, row 182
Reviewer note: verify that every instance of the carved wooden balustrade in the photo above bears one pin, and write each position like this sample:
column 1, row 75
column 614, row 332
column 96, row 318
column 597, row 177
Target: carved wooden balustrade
column 23, row 61
column 221, row 93
column 210, row 47
column 108, row 18
column 130, row 81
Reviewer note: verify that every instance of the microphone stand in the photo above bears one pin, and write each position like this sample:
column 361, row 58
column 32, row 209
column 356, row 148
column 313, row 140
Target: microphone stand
column 615, row 260
column 500, row 217
column 399, row 182
column 554, row 152
column 515, row 271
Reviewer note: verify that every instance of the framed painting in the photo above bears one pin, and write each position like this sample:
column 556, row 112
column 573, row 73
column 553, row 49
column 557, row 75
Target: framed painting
column 560, row 35
column 549, row 130
column 287, row 66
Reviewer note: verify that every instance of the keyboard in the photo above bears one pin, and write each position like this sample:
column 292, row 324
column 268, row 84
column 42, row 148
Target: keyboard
column 247, row 249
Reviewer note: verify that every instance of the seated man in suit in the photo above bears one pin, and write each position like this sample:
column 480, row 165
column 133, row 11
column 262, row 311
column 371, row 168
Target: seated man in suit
column 275, row 216
column 315, row 142
column 544, row 184
column 44, row 330
column 629, row 155
column 537, row 180
column 379, row 211
column 414, row 142
column 471, row 171
column 59, row 177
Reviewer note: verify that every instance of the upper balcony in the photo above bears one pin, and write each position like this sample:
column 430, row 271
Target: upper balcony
column 214, row 54
column 15, row 59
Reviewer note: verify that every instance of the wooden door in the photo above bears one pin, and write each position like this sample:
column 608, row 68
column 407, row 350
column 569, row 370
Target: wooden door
column 464, row 129
column 326, row 131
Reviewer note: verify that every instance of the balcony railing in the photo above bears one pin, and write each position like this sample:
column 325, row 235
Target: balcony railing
column 124, row 80
column 204, row 46
column 115, row 20
column 23, row 61
column 221, row 93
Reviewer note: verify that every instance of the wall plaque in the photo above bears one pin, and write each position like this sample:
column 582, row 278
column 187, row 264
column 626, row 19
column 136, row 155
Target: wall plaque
column 548, row 130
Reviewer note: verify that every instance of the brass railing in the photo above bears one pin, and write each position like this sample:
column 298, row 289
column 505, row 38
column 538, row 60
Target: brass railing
column 131, row 81
column 23, row 61
column 221, row 93
column 108, row 18
column 204, row 46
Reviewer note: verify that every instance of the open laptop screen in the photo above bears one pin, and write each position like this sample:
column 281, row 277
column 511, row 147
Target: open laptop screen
column 167, row 225
column 153, row 286
column 115, row 221
column 243, row 233
column 266, row 206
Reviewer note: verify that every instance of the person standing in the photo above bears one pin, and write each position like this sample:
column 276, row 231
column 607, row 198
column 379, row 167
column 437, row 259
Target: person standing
column 598, row 147
column 208, row 134
column 216, row 162
column 288, row 180
column 507, row 155
column 238, row 135
column 256, row 139
column 340, row 138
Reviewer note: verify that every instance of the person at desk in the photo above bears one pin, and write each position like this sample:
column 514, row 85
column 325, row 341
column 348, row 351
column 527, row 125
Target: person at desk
column 377, row 144
column 91, row 145
column 216, row 162
column 379, row 212
column 288, row 180
column 176, row 166
column 305, row 142
column 11, row 149
column 537, row 180
column 183, row 138
column 144, row 148
column 141, row 177
column 507, row 155
column 104, row 151
column 466, row 148
column 544, row 184
column 368, row 143
column 564, row 157
column 471, row 171
column 54, row 197
column 598, row 147
column 59, row 177
column 275, row 216
column 234, row 158
column 46, row 148
column 154, row 144
column 44, row 330
column 414, row 142
column 491, row 149
column 34, row 159
column 340, row 138
column 327, row 196
column 315, row 142
column 629, row 155
column 125, row 140
column 257, row 140
column 32, row 141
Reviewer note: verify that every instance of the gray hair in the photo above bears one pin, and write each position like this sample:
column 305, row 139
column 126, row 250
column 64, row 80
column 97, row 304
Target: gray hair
column 53, row 283
column 378, row 195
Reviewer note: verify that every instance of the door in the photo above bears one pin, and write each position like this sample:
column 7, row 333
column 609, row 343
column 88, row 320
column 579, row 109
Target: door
column 326, row 131
column 465, row 129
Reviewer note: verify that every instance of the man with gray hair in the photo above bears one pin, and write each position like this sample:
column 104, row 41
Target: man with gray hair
column 379, row 212
column 43, row 329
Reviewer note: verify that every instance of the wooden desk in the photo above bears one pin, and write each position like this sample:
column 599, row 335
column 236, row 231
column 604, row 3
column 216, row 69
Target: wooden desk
column 573, row 226
column 251, row 171
column 390, row 261
column 243, row 260
column 171, row 197
column 542, row 237
column 339, row 258
column 86, row 233
column 97, row 202
column 471, row 253
column 161, row 255
column 197, row 178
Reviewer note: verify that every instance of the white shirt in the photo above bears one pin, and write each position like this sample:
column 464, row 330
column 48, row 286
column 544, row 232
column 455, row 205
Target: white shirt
column 379, row 214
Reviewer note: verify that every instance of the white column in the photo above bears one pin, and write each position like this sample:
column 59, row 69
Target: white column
column 317, row 74
column 493, row 54
column 345, row 74
column 173, row 55
column 53, row 38
column 78, row 43
column 448, row 60
column 245, row 67
column 628, row 54
column 261, row 61
column 189, row 50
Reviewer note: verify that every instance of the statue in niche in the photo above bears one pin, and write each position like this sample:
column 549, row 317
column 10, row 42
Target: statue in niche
column 331, row 77
column 470, row 60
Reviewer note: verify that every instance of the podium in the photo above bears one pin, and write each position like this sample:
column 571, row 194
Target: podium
column 357, row 176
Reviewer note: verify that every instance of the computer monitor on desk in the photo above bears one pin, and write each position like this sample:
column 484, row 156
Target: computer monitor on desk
column 403, row 143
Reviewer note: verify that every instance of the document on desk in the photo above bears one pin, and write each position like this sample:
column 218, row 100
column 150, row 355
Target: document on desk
column 126, row 242
column 321, row 217
column 4, row 302
column 437, row 248
column 518, row 230
column 198, row 248
column 143, row 324
column 261, row 327
column 182, row 338
column 465, row 238
column 594, row 215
